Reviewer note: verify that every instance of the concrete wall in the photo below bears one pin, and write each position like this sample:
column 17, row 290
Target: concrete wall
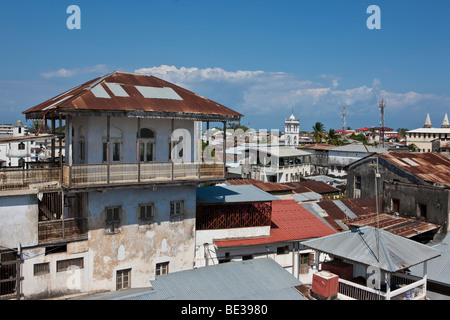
column 136, row 245
column 18, row 218
column 140, row 246
column 435, row 199
column 94, row 132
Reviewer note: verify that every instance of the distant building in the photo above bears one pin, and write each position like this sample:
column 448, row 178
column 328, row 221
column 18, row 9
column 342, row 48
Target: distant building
column 428, row 138
column 291, row 131
column 413, row 185
column 274, row 163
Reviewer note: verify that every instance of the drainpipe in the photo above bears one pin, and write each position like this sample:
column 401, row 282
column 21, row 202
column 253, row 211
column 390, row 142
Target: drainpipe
column 295, row 257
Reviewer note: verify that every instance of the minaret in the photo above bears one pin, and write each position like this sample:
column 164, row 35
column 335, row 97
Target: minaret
column 292, row 130
column 427, row 123
column 445, row 123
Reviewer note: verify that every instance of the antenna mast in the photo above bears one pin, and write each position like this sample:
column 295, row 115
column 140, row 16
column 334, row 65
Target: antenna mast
column 381, row 105
column 344, row 114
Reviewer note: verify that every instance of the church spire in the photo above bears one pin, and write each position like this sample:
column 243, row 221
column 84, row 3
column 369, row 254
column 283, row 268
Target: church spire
column 427, row 123
column 445, row 123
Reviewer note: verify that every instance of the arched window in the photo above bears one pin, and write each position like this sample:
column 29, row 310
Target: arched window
column 147, row 145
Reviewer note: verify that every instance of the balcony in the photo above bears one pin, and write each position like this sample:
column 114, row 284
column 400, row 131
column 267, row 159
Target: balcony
column 406, row 288
column 21, row 179
column 143, row 173
column 104, row 175
column 62, row 230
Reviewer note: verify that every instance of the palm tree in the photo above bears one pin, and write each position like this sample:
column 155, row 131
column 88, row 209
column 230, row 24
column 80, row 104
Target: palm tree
column 318, row 129
column 413, row 147
column 333, row 138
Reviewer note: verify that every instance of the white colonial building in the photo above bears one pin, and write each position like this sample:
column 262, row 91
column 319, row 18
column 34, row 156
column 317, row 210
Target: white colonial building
column 429, row 139
column 121, row 208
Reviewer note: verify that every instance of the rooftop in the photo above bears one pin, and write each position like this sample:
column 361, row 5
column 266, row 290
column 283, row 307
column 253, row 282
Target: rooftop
column 290, row 221
column 134, row 94
column 232, row 194
column 430, row 167
column 265, row 186
column 256, row 279
column 361, row 245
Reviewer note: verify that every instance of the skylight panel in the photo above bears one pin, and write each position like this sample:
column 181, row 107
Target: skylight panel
column 158, row 93
column 117, row 90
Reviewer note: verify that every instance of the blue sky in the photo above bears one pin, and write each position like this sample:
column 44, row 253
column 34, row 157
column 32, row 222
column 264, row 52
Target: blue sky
column 261, row 58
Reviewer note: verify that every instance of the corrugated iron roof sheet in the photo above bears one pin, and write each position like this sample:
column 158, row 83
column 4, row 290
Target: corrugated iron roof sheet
column 290, row 221
column 360, row 245
column 438, row 269
column 256, row 279
column 430, row 167
column 311, row 185
column 127, row 92
column 232, row 194
column 401, row 226
column 265, row 186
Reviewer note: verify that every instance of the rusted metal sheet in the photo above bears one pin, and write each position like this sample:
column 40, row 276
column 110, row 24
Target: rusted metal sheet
column 401, row 226
column 430, row 167
column 127, row 92
column 265, row 186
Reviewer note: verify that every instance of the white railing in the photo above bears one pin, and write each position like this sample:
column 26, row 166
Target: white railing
column 409, row 290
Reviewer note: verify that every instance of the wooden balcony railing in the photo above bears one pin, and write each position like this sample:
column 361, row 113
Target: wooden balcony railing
column 20, row 179
column 102, row 174
column 62, row 229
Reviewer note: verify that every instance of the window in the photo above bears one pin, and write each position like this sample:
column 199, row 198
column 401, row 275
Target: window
column 422, row 210
column 112, row 221
column 395, row 205
column 116, row 151
column 63, row 265
column 41, row 268
column 21, row 146
column 176, row 208
column 358, row 182
column 146, row 145
column 162, row 268
column 283, row 250
column 123, row 279
column 146, row 212
column 81, row 150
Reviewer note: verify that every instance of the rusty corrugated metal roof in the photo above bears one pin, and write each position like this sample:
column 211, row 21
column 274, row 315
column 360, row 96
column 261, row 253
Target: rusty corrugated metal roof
column 140, row 94
column 398, row 225
column 429, row 166
column 265, row 186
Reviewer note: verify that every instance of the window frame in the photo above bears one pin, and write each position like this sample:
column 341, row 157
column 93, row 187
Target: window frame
column 162, row 268
column 113, row 224
column 120, row 276
column 146, row 218
column 174, row 213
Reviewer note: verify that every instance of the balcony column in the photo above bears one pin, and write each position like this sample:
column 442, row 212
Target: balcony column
column 69, row 150
column 108, row 148
column 53, row 139
column 224, row 146
column 60, row 149
column 138, row 148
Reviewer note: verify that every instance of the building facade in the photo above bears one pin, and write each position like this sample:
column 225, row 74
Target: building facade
column 121, row 208
column 428, row 138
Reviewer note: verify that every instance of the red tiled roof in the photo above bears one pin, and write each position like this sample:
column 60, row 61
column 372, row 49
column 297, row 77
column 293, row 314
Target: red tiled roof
column 290, row 221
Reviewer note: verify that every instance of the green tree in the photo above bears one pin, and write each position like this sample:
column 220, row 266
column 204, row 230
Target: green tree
column 318, row 130
column 333, row 138
column 413, row 148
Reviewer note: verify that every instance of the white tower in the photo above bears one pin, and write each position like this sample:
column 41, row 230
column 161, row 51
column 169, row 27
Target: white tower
column 445, row 123
column 291, row 130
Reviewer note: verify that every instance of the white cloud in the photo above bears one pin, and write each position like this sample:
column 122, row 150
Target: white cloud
column 68, row 73
column 271, row 95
